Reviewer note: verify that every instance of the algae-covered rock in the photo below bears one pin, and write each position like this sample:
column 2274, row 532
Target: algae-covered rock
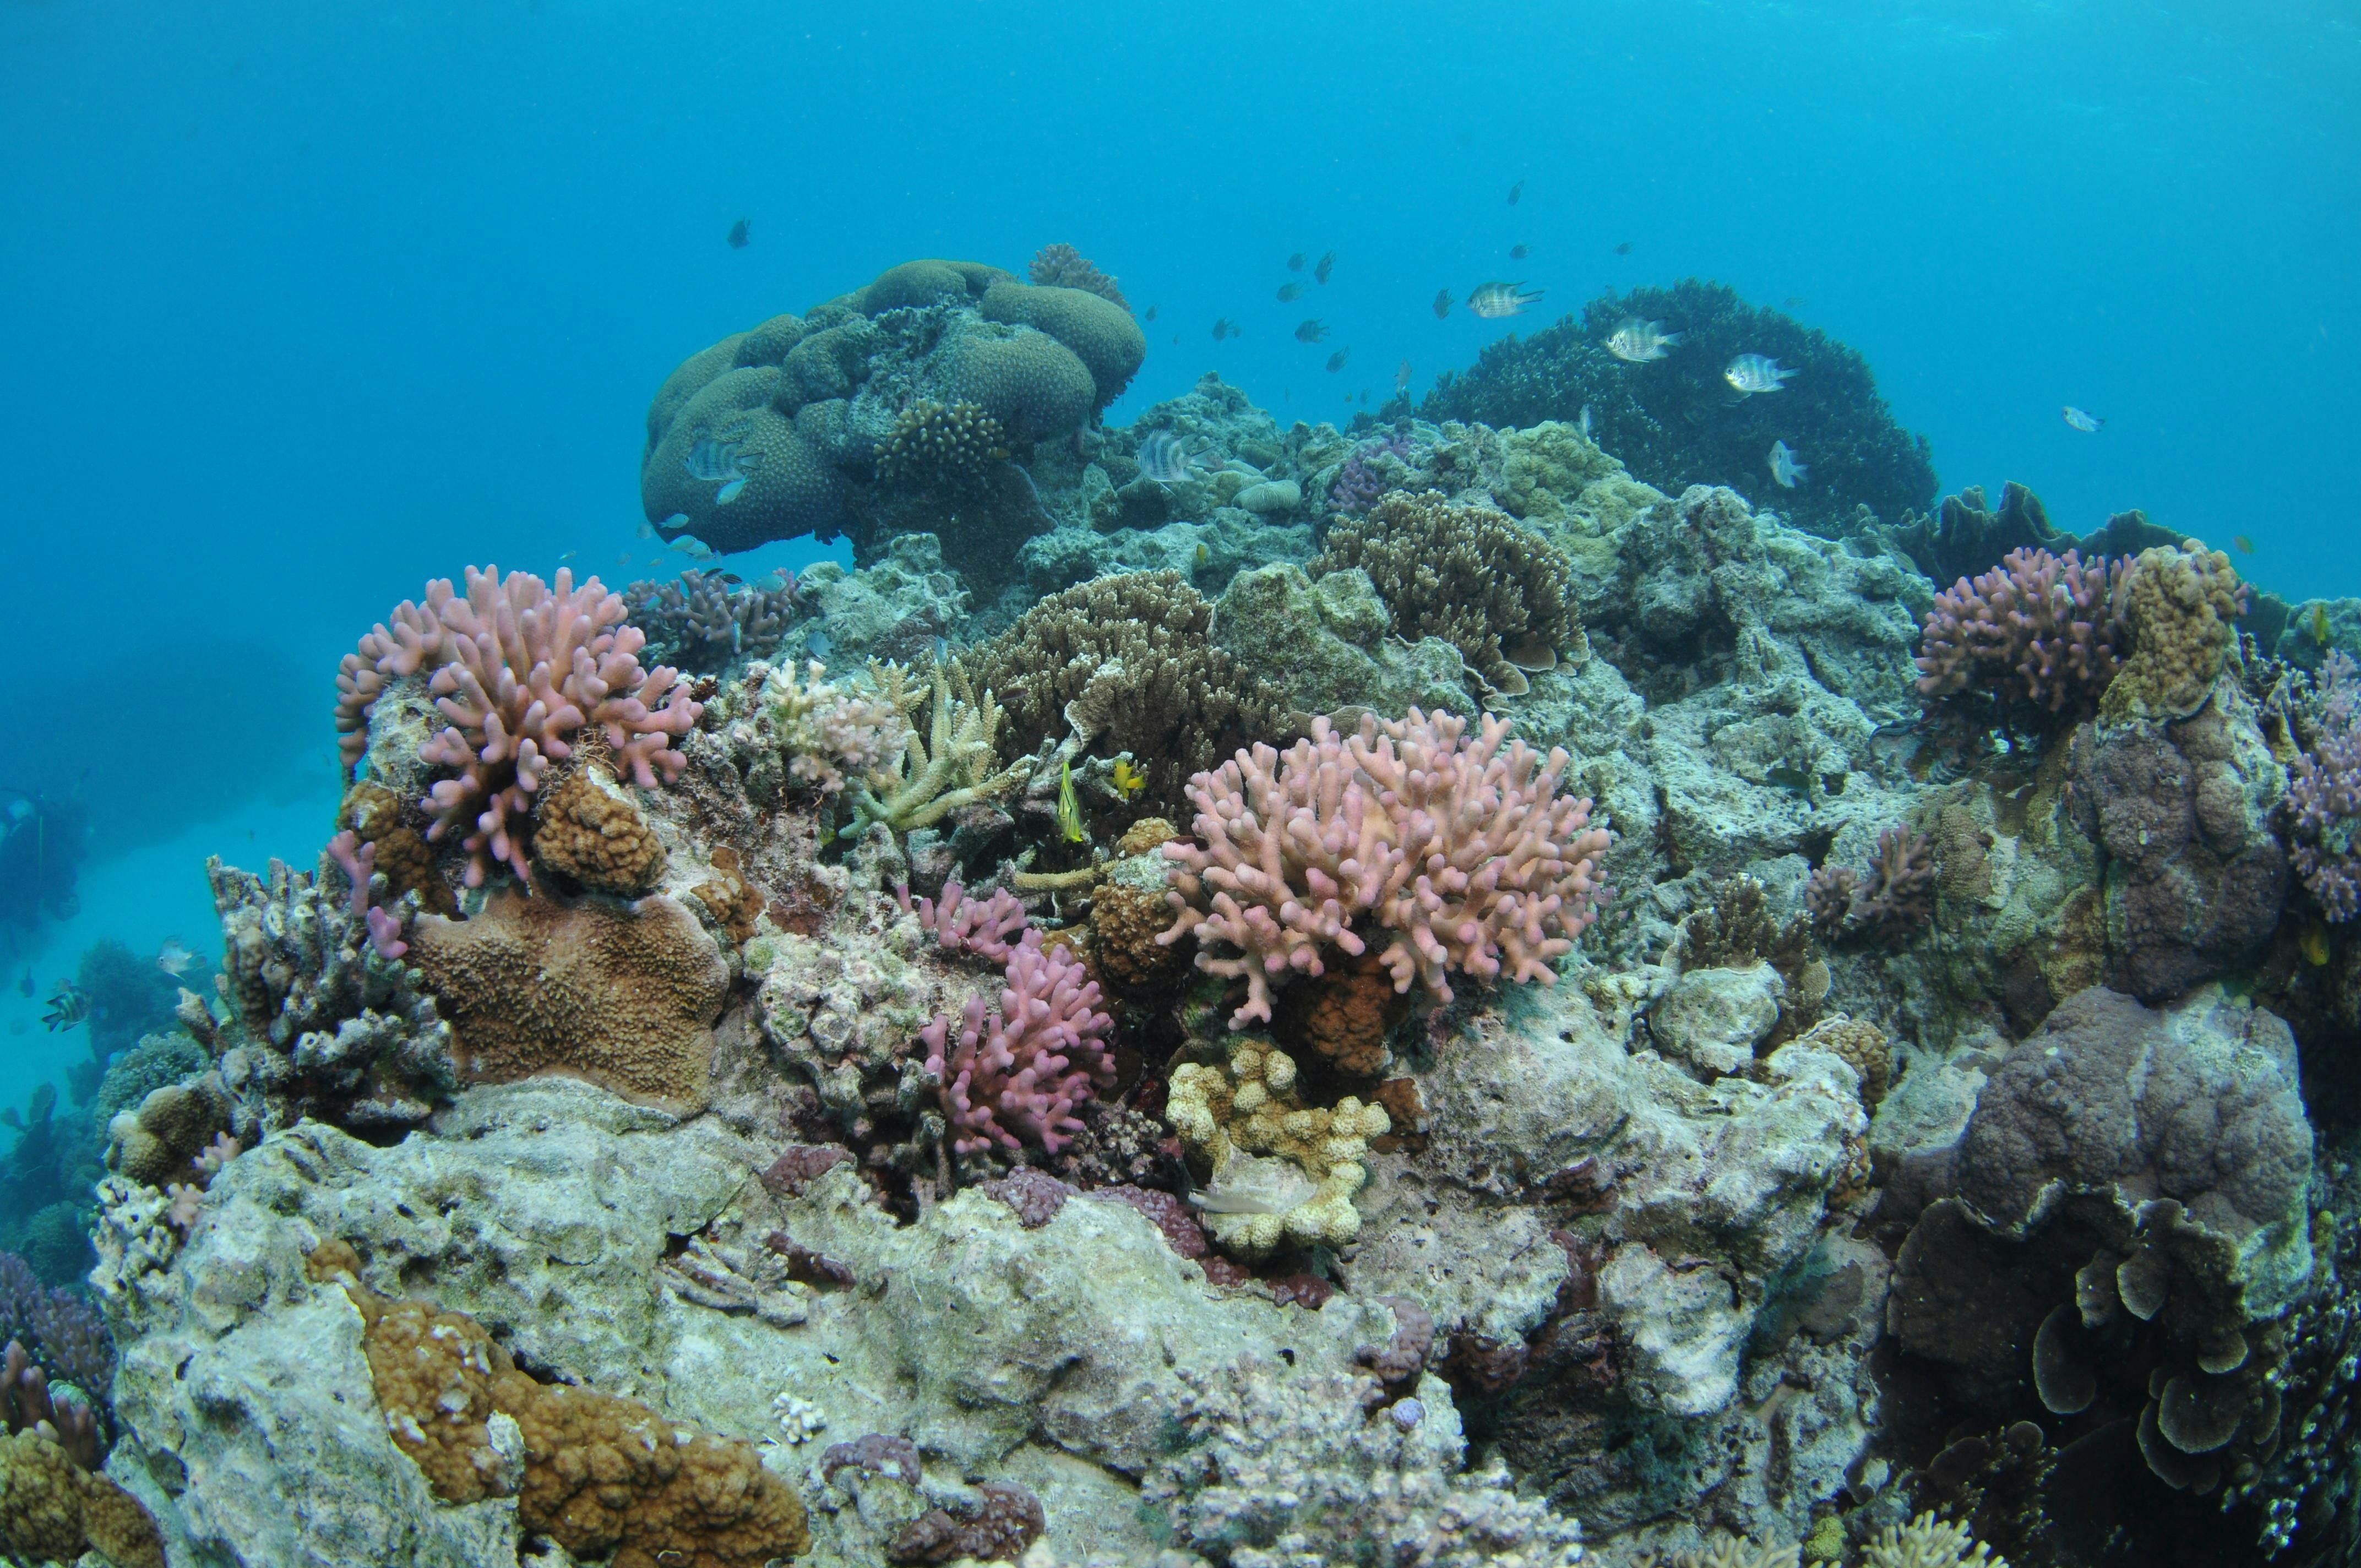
column 1326, row 645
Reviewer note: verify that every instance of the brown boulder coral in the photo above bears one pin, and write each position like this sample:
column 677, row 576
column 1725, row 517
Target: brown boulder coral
column 2180, row 606
column 51, row 1509
column 591, row 831
column 625, row 998
column 1479, row 579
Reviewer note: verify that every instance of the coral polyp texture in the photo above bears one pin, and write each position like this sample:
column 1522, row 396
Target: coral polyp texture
column 1066, row 268
column 1012, row 1075
column 516, row 668
column 1444, row 853
column 2324, row 799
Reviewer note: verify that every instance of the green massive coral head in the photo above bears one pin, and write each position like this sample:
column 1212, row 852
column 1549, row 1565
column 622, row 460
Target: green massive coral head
column 775, row 431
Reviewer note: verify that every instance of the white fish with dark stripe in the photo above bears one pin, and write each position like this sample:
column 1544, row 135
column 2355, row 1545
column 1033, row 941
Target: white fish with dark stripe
column 1637, row 342
column 1493, row 301
column 1170, row 460
column 1752, row 373
column 723, row 463
column 1784, row 466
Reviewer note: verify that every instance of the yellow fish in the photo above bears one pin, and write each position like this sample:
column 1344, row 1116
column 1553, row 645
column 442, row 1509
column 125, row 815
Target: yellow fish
column 1129, row 781
column 2320, row 622
column 1070, row 810
column 2315, row 943
column 2243, row 546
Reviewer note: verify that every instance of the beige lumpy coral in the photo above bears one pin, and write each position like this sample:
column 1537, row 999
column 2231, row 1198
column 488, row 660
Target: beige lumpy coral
column 2182, row 607
column 626, row 999
column 51, row 1509
column 1283, row 1171
column 1492, row 587
column 591, row 831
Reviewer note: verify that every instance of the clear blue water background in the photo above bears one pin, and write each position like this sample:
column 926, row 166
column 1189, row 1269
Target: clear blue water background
column 302, row 304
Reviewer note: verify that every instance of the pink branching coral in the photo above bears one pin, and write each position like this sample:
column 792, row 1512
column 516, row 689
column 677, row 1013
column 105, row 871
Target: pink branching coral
column 964, row 925
column 2051, row 622
column 357, row 861
column 516, row 669
column 1013, row 1076
column 1066, row 268
column 1456, row 853
column 2323, row 798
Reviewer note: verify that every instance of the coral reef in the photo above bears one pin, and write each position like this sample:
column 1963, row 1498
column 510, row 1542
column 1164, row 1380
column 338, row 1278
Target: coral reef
column 2177, row 607
column 52, row 1511
column 2038, row 628
column 1281, row 1172
column 956, row 764
column 704, row 621
column 1482, row 582
column 589, row 830
column 60, row 1330
column 933, row 446
column 1672, row 419
column 1894, row 903
column 1063, row 267
column 1461, row 853
column 1124, row 664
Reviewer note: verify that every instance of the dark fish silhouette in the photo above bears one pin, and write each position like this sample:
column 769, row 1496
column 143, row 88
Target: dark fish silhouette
column 25, row 986
column 1311, row 331
column 739, row 235
column 1519, row 252
column 1290, row 291
column 1623, row 249
column 1515, row 192
column 1442, row 303
column 1336, row 360
column 1327, row 265
column 1151, row 315
column 1295, row 262
column 1223, row 327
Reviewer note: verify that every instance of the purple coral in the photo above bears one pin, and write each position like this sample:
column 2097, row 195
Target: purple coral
column 2324, row 797
column 964, row 925
column 1013, row 1076
column 517, row 669
column 1892, row 904
column 357, row 861
column 1358, row 482
column 2050, row 621
column 60, row 1330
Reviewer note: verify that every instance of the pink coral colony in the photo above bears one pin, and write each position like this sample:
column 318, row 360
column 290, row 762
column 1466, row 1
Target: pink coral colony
column 1013, row 1076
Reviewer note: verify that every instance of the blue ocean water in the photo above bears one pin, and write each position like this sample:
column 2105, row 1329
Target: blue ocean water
column 306, row 304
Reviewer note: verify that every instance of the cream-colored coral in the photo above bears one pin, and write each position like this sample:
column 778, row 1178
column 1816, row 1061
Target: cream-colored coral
column 1236, row 1116
column 1929, row 1542
column 955, row 766
column 1727, row 1551
column 828, row 732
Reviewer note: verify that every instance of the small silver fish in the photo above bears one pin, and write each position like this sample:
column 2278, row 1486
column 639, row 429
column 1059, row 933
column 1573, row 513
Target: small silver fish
column 1493, row 301
column 174, row 958
column 1751, row 373
column 1784, row 466
column 1312, row 331
column 1401, row 377
column 1516, row 190
column 1442, row 303
column 818, row 644
column 696, row 549
column 1168, row 459
column 1638, row 342
column 647, row 530
column 2087, row 423
column 568, row 555
column 1583, row 424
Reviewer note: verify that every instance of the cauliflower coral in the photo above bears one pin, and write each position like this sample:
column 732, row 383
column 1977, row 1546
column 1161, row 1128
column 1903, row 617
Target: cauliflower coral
column 1454, row 853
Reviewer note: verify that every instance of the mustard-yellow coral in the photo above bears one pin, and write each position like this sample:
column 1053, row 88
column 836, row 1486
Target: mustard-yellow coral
column 1283, row 1171
column 591, row 830
column 2180, row 607
column 52, row 1509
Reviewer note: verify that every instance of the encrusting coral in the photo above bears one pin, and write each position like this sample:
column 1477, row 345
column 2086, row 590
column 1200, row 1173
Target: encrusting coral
column 595, row 1473
column 1480, row 580
column 516, row 668
column 1123, row 663
column 1013, row 1076
column 1457, row 853
column 624, row 998
column 2323, row 798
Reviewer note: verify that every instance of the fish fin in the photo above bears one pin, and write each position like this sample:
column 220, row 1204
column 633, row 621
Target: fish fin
column 1671, row 339
column 728, row 492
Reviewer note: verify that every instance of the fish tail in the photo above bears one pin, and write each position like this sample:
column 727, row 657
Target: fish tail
column 1674, row 338
column 728, row 492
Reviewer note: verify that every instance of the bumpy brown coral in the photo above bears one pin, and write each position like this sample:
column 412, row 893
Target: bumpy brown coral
column 1479, row 579
column 1345, row 1016
column 592, row 831
column 1126, row 658
column 626, row 1000
column 1063, row 267
column 1862, row 1044
column 374, row 814
column 599, row 1474
column 1125, row 924
column 158, row 1142
column 2180, row 606
column 941, row 446
column 51, row 1509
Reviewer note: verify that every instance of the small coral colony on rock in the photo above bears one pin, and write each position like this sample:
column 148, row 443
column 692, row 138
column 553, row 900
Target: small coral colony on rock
column 1245, row 993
